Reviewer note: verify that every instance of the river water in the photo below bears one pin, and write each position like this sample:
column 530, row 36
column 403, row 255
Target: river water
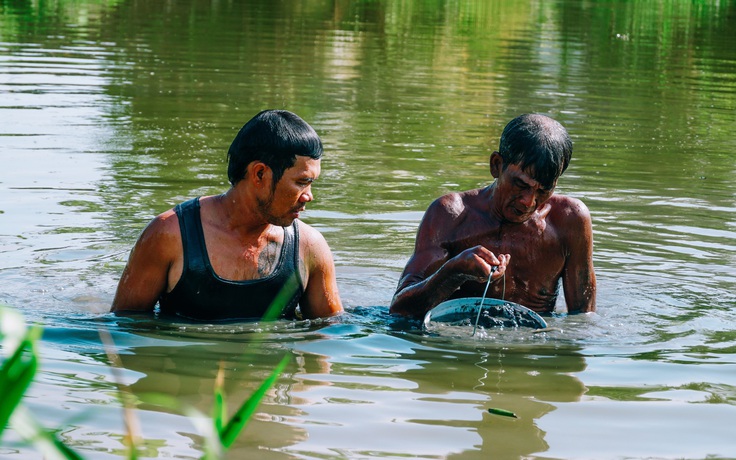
column 112, row 112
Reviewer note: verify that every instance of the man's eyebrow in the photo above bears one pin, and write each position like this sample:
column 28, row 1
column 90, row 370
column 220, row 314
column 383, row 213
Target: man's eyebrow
column 527, row 183
column 533, row 182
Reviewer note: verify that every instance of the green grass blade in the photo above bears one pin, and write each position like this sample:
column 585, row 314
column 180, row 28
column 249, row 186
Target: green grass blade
column 219, row 411
column 16, row 380
column 16, row 375
column 13, row 366
column 281, row 299
column 230, row 433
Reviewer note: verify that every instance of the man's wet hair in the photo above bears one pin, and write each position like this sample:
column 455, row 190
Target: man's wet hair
column 274, row 137
column 539, row 145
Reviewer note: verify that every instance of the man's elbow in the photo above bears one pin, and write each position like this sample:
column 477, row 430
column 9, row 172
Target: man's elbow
column 127, row 306
column 579, row 310
column 585, row 306
column 328, row 306
column 400, row 306
column 394, row 310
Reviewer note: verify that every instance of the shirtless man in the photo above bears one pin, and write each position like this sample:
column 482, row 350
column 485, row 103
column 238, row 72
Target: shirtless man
column 232, row 256
column 533, row 237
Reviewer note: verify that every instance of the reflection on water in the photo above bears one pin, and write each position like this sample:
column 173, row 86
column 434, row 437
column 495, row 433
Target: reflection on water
column 115, row 111
column 422, row 396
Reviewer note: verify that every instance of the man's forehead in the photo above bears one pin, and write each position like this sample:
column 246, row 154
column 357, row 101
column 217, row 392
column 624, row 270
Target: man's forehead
column 304, row 164
column 527, row 175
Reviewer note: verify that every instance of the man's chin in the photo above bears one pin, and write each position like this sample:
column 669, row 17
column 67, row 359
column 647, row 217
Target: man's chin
column 518, row 218
column 284, row 221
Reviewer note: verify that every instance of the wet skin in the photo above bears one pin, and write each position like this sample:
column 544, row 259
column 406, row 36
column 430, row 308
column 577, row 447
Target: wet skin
column 535, row 238
column 243, row 235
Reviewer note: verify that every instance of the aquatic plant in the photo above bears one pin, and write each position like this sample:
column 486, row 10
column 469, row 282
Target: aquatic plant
column 20, row 344
column 16, row 375
column 17, row 371
column 229, row 431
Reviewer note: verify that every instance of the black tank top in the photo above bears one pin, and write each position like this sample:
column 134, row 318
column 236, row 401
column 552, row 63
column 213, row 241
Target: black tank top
column 202, row 295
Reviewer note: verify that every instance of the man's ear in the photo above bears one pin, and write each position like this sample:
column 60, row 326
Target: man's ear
column 496, row 164
column 259, row 173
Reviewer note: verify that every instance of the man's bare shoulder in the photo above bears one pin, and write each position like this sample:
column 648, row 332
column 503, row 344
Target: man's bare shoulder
column 165, row 223
column 454, row 205
column 315, row 255
column 312, row 244
column 309, row 234
column 162, row 234
column 568, row 211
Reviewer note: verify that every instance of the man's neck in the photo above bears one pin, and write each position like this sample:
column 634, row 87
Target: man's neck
column 494, row 212
column 235, row 212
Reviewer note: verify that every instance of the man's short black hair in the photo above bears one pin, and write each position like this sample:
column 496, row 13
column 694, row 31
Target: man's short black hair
column 539, row 145
column 274, row 137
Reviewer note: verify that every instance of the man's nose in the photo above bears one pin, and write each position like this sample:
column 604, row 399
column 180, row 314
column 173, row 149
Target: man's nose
column 307, row 196
column 527, row 198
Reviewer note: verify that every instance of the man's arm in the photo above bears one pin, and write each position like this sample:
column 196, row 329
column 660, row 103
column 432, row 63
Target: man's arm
column 430, row 275
column 578, row 276
column 145, row 276
column 321, row 297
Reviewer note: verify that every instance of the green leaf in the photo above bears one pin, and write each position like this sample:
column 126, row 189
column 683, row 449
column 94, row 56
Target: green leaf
column 16, row 375
column 282, row 299
column 219, row 411
column 230, row 433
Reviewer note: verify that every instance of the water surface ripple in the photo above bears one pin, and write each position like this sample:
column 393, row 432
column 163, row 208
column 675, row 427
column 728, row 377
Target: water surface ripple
column 112, row 112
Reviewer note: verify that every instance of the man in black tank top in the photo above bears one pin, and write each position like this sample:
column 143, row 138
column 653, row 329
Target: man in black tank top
column 243, row 254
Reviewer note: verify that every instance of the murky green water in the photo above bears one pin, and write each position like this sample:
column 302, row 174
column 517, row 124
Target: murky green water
column 111, row 112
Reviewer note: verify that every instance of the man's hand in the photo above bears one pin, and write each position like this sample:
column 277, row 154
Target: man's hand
column 475, row 264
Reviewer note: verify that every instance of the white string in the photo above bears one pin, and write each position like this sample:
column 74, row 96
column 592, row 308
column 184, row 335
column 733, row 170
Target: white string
column 480, row 307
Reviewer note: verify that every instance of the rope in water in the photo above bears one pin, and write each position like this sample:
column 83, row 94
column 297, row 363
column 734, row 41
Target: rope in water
column 483, row 299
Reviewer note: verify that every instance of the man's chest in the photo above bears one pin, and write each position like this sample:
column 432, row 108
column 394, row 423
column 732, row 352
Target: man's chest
column 535, row 249
column 240, row 259
column 532, row 274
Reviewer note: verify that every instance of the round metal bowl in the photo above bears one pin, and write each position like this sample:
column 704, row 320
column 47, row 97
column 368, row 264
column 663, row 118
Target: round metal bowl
column 495, row 313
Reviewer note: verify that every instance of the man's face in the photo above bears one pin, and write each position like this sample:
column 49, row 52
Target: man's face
column 520, row 194
column 292, row 192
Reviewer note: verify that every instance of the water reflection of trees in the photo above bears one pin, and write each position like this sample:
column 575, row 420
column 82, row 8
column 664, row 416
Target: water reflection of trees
column 405, row 94
column 184, row 365
column 527, row 380
column 350, row 390
column 405, row 81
